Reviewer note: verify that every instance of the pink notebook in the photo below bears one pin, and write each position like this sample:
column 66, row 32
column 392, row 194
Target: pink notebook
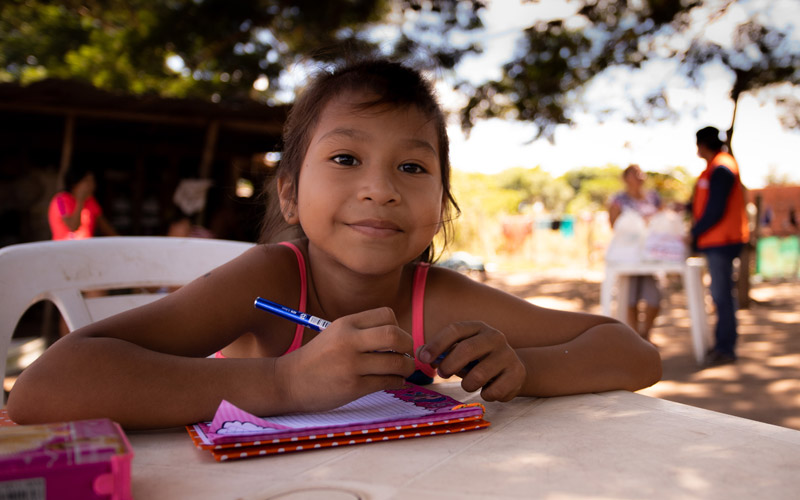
column 409, row 412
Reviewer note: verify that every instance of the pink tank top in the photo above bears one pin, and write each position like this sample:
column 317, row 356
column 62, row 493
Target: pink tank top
column 417, row 304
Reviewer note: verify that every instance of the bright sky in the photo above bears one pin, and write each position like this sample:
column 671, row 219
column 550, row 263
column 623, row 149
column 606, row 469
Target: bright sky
column 760, row 143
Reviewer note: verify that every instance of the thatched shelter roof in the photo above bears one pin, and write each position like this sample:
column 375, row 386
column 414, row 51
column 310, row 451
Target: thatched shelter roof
column 54, row 96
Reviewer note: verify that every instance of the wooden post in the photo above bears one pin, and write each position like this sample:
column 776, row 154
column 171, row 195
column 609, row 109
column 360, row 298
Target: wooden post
column 746, row 259
column 212, row 132
column 66, row 149
column 207, row 160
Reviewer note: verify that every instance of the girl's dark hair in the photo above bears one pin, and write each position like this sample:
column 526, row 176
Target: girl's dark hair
column 393, row 84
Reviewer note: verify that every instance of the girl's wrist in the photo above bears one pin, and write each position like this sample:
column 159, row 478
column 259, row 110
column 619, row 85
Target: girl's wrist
column 284, row 397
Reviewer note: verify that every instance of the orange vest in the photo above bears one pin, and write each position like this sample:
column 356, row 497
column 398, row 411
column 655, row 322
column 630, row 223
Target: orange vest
column 733, row 227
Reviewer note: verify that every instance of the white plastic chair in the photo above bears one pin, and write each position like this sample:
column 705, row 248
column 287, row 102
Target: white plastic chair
column 59, row 271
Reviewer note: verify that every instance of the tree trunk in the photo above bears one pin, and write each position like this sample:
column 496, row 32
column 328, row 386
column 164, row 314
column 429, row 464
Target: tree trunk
column 729, row 133
column 746, row 257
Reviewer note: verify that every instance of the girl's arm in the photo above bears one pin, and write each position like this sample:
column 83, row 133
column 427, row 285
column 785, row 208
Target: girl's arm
column 530, row 350
column 604, row 357
column 147, row 367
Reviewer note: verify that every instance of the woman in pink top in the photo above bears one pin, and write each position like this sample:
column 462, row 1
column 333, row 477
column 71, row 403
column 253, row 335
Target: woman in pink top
column 362, row 188
column 74, row 213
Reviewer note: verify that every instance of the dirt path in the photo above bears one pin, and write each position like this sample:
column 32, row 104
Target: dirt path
column 763, row 385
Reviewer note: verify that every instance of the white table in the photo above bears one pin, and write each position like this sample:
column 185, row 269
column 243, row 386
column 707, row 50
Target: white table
column 618, row 276
column 610, row 445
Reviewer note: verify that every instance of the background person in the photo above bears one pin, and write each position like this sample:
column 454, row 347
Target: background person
column 643, row 288
column 74, row 213
column 189, row 202
column 719, row 230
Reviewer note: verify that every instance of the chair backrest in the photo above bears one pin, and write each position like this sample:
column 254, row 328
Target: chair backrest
column 59, row 271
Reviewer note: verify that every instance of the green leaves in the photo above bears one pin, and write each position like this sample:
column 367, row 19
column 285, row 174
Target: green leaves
column 217, row 48
column 558, row 59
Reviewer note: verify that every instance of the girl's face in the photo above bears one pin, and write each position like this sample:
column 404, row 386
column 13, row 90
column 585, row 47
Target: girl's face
column 370, row 188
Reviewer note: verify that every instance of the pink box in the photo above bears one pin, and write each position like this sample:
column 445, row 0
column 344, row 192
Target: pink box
column 85, row 459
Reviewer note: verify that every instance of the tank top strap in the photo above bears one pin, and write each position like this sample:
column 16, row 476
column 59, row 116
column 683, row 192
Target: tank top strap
column 418, row 314
column 301, row 264
column 297, row 341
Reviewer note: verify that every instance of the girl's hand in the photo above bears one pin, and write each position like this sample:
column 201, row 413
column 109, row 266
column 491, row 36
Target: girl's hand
column 356, row 355
column 498, row 372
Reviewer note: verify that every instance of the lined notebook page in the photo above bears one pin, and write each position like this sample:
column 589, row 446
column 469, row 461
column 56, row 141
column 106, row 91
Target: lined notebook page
column 376, row 407
column 373, row 408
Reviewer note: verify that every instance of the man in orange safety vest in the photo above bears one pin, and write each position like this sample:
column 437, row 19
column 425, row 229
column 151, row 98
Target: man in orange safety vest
column 719, row 230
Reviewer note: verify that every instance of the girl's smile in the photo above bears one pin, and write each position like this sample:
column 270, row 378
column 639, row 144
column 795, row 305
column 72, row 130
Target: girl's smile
column 376, row 228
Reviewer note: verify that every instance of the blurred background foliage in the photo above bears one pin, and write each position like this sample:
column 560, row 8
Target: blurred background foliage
column 217, row 49
column 531, row 199
column 221, row 49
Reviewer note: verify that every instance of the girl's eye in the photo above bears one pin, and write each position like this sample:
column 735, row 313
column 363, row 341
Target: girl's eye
column 347, row 160
column 411, row 168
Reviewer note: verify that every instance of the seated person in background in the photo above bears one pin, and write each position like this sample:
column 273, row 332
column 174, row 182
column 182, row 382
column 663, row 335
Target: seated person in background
column 643, row 288
column 74, row 213
column 189, row 200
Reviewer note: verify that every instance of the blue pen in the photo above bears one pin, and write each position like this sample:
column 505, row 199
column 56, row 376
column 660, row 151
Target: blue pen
column 320, row 324
column 304, row 319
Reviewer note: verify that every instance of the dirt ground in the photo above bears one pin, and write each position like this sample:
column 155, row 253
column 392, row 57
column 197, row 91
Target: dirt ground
column 763, row 385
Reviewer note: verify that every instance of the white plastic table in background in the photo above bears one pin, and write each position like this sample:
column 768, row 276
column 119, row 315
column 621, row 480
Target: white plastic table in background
column 618, row 276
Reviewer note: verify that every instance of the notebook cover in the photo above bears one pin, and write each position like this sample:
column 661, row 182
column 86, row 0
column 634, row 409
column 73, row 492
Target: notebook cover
column 409, row 405
column 411, row 411
column 233, row 451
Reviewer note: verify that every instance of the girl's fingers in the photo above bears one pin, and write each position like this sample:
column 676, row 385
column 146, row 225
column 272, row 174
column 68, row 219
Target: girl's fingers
column 475, row 342
column 385, row 363
column 377, row 330
column 374, row 383
column 386, row 339
column 480, row 355
column 505, row 383
column 449, row 339
column 370, row 318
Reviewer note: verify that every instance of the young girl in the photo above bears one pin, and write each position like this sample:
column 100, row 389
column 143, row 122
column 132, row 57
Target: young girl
column 365, row 179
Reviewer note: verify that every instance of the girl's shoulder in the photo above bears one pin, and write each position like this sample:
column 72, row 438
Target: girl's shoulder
column 448, row 285
column 264, row 262
column 275, row 253
column 264, row 270
column 452, row 297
